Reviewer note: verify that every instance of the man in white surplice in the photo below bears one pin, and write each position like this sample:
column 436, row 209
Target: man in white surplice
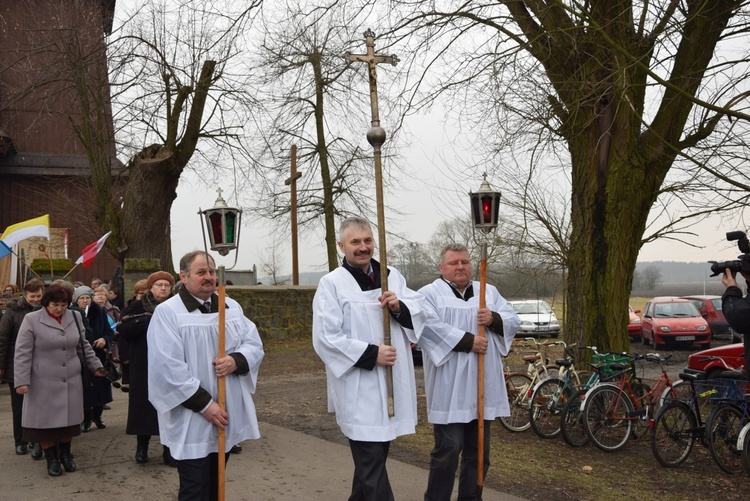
column 348, row 337
column 450, row 344
column 183, row 368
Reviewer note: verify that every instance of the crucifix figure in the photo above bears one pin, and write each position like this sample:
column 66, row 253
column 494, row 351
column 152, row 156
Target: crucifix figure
column 376, row 138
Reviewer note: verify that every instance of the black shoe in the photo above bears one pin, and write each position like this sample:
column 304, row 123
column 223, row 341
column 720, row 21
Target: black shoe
column 125, row 388
column 36, row 451
column 106, row 407
column 22, row 449
column 141, row 454
column 236, row 449
column 53, row 464
column 99, row 422
column 167, row 457
column 66, row 458
column 86, row 426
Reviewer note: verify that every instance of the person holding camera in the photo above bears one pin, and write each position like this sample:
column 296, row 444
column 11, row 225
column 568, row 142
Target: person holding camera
column 737, row 308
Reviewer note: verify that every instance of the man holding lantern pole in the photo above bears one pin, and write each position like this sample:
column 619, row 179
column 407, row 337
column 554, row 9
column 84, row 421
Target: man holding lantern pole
column 183, row 368
column 348, row 335
column 450, row 347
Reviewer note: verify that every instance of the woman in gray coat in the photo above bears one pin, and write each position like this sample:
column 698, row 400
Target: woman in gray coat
column 50, row 351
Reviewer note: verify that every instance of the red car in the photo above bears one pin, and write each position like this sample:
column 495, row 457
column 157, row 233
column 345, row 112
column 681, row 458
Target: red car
column 702, row 362
column 634, row 325
column 671, row 321
column 710, row 309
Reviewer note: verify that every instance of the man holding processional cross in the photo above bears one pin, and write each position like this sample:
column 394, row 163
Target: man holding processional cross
column 348, row 336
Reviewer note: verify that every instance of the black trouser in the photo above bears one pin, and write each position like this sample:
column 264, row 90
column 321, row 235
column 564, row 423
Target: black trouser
column 370, row 482
column 452, row 440
column 199, row 478
column 16, row 406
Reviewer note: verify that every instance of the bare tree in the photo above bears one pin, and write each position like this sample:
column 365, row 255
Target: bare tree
column 315, row 99
column 271, row 264
column 626, row 90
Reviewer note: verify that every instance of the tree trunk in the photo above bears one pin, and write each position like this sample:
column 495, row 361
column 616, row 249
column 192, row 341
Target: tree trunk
column 152, row 187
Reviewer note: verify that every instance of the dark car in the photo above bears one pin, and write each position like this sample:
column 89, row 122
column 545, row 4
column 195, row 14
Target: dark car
column 668, row 321
column 707, row 361
column 710, row 309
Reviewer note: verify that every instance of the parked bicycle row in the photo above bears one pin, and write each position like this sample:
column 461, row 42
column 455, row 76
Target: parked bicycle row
column 609, row 404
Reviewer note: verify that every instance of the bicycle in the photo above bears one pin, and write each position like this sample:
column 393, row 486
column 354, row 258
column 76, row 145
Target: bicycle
column 679, row 424
column 550, row 396
column 726, row 420
column 519, row 386
column 615, row 412
column 571, row 418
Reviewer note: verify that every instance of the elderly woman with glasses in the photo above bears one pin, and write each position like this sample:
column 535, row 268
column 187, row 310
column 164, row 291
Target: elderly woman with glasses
column 96, row 392
column 142, row 418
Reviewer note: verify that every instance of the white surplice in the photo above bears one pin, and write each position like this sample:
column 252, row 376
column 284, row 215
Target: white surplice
column 181, row 348
column 345, row 321
column 451, row 376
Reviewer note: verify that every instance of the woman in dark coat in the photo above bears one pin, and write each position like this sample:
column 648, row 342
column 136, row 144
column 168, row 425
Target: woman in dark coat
column 10, row 324
column 142, row 417
column 50, row 353
column 98, row 391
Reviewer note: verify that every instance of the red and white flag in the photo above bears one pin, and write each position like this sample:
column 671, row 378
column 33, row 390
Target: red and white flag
column 89, row 253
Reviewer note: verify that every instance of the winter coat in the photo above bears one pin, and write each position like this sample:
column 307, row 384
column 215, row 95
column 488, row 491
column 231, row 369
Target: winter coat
column 142, row 417
column 47, row 359
column 10, row 323
column 98, row 391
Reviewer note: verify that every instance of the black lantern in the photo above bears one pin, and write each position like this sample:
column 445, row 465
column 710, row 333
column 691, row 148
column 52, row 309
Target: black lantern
column 223, row 224
column 485, row 206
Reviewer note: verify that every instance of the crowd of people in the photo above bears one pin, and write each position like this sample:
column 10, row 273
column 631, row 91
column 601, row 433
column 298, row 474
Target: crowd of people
column 165, row 340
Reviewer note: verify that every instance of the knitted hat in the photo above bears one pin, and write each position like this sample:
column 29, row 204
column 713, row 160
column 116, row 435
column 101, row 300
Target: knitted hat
column 159, row 275
column 82, row 291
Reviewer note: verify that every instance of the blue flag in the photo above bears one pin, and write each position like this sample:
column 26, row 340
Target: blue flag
column 4, row 250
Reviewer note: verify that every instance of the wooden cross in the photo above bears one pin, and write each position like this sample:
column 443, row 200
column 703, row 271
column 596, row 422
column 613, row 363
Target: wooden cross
column 292, row 181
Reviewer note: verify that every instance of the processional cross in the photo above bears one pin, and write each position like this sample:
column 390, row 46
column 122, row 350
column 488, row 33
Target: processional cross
column 376, row 138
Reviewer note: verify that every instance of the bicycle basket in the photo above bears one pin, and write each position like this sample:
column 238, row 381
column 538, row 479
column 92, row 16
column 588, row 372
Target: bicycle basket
column 610, row 358
column 721, row 389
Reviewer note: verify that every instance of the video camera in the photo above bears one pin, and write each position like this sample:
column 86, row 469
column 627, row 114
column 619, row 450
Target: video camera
column 743, row 261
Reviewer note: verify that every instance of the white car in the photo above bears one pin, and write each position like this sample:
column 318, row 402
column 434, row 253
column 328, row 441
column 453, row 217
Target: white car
column 537, row 318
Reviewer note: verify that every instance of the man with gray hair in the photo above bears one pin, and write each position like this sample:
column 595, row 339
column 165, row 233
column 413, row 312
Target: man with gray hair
column 348, row 336
column 450, row 347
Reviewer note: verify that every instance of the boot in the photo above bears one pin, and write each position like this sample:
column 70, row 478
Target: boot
column 66, row 458
column 167, row 457
column 53, row 464
column 36, row 451
column 86, row 425
column 96, row 417
column 141, row 451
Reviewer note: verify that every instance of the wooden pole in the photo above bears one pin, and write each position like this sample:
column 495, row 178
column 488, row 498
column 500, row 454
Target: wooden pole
column 480, row 375
column 222, row 385
column 292, row 181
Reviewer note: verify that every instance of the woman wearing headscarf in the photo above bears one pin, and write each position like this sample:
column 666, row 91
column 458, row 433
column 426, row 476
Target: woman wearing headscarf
column 51, row 353
column 96, row 392
column 142, row 417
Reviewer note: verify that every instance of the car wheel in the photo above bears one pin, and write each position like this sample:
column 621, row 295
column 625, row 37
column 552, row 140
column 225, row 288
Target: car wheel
column 635, row 339
column 555, row 335
column 644, row 340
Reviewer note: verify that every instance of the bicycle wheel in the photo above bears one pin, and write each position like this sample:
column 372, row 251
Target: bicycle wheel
column 673, row 434
column 745, row 447
column 722, row 428
column 571, row 420
column 545, row 408
column 518, row 386
column 606, row 417
column 680, row 390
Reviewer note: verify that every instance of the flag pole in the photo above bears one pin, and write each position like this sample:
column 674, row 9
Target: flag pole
column 26, row 264
column 71, row 271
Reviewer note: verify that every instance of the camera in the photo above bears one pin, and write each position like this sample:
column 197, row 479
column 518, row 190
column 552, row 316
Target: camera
column 740, row 264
